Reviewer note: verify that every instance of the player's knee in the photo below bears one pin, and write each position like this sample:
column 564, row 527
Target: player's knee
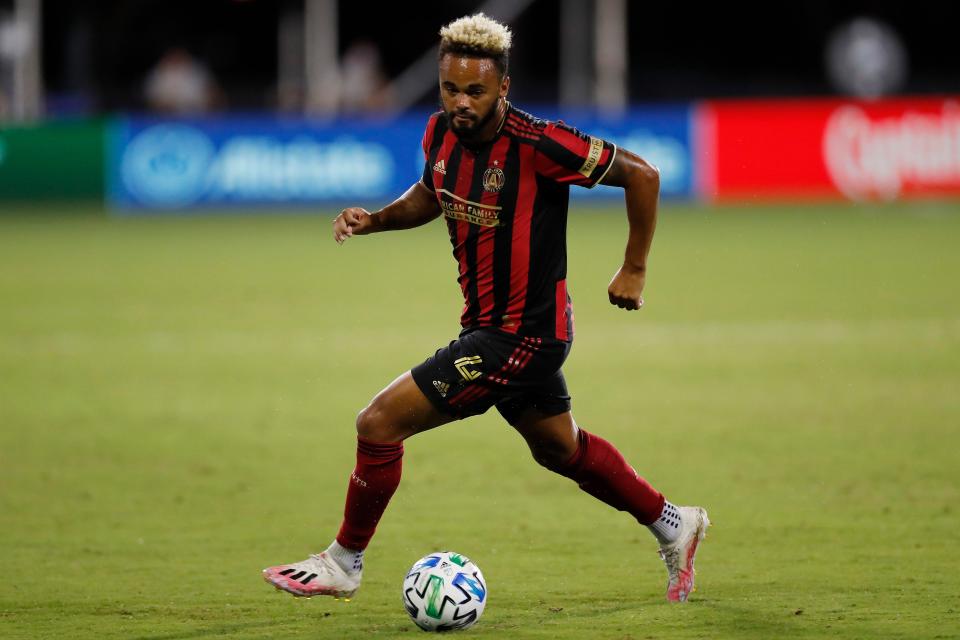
column 550, row 457
column 372, row 424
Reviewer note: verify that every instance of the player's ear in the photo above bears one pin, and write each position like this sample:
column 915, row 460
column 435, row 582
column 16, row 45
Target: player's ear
column 504, row 86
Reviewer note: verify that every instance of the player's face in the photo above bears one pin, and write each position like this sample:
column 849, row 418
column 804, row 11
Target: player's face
column 470, row 89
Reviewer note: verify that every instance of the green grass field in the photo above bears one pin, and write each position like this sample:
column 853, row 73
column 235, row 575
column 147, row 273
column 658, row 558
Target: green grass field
column 177, row 398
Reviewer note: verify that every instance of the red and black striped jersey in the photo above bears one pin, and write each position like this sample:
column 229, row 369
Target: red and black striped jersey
column 505, row 205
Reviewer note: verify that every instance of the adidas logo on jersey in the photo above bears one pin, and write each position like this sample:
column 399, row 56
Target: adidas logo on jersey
column 440, row 167
column 442, row 387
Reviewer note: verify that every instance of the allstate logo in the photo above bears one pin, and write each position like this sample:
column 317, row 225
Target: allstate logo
column 166, row 165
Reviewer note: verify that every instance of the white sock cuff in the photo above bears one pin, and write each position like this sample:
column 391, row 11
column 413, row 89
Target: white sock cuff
column 666, row 528
column 350, row 560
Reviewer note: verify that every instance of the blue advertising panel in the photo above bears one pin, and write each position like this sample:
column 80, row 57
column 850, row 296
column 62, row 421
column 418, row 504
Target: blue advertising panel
column 211, row 162
column 167, row 164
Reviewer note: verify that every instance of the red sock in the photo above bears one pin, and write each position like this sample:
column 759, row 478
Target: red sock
column 602, row 472
column 372, row 484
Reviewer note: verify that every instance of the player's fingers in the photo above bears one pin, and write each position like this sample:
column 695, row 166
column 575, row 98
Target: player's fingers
column 630, row 304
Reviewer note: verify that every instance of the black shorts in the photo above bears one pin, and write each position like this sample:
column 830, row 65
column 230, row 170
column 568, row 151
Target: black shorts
column 489, row 367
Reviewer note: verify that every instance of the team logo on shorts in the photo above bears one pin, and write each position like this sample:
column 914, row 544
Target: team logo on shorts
column 462, row 365
column 493, row 179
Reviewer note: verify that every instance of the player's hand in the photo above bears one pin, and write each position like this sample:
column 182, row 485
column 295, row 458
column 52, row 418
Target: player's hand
column 351, row 222
column 626, row 288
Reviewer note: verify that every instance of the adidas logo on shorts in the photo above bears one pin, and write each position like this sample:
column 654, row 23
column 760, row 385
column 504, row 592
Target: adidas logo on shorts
column 442, row 387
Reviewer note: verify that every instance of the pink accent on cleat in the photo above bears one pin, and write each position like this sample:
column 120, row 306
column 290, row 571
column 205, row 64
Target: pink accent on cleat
column 679, row 555
column 318, row 575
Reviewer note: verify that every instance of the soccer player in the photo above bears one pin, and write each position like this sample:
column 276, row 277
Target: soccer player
column 500, row 178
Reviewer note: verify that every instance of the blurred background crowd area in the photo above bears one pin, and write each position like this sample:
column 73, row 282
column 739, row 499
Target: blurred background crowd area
column 148, row 105
column 63, row 58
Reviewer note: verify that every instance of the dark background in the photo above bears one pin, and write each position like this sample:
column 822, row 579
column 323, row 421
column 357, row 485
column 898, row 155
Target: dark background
column 97, row 53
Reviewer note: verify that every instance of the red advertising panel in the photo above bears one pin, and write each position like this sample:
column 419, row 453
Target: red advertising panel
column 773, row 149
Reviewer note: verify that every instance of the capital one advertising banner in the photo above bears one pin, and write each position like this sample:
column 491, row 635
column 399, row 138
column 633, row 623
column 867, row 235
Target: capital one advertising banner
column 156, row 164
column 804, row 149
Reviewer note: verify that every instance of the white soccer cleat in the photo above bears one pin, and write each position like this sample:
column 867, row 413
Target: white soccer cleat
column 318, row 575
column 679, row 555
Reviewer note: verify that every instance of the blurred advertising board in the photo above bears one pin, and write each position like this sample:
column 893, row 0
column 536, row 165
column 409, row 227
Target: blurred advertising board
column 812, row 149
column 179, row 165
column 157, row 164
column 57, row 160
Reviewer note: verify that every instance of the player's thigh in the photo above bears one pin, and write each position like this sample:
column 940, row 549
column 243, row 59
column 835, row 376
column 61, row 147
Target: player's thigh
column 398, row 412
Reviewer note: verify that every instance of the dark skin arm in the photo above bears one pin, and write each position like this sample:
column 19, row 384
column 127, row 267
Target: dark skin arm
column 641, row 185
column 416, row 207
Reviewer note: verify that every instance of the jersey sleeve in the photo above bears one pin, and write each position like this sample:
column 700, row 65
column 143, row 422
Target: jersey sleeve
column 425, row 143
column 569, row 156
column 427, row 177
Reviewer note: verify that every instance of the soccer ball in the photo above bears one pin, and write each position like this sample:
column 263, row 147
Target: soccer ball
column 444, row 591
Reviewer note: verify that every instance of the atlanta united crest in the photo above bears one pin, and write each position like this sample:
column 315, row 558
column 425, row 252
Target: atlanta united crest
column 493, row 179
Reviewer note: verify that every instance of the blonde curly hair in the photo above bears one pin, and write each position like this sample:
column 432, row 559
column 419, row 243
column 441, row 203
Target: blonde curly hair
column 477, row 36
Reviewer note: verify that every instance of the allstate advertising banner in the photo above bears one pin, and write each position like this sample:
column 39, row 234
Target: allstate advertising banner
column 802, row 149
column 182, row 164
column 158, row 164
